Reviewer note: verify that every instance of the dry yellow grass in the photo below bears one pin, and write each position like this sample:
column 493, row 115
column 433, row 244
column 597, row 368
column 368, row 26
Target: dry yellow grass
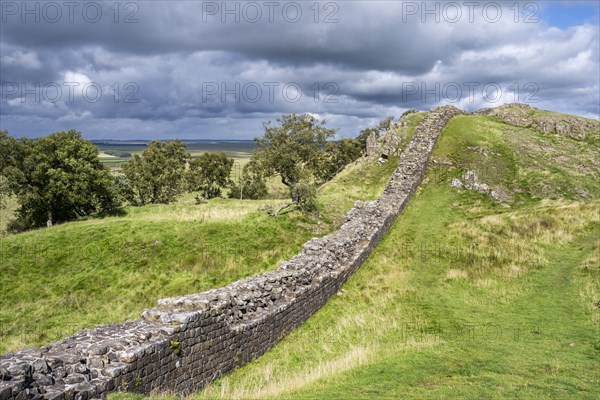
column 457, row 274
column 272, row 385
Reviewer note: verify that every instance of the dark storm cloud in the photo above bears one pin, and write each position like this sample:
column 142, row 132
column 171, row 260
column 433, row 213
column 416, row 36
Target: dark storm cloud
column 362, row 33
column 166, row 68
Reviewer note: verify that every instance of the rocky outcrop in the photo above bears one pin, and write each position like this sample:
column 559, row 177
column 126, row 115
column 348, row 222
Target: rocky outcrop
column 470, row 181
column 523, row 115
column 392, row 142
column 184, row 343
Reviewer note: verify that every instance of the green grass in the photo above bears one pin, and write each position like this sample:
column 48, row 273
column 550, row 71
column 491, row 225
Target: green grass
column 465, row 298
column 58, row 280
column 527, row 164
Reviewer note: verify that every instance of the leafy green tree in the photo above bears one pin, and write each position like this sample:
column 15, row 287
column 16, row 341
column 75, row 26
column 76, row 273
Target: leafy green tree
column 305, row 193
column 296, row 143
column 7, row 149
column 210, row 173
column 56, row 178
column 250, row 184
column 156, row 176
column 122, row 189
column 380, row 128
column 338, row 154
column 294, row 150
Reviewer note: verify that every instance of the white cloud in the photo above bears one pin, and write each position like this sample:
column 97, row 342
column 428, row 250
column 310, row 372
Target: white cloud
column 25, row 59
column 76, row 78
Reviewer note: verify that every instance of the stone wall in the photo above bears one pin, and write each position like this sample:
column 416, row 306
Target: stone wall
column 184, row 343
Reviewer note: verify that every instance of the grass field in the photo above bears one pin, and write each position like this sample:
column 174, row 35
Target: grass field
column 465, row 298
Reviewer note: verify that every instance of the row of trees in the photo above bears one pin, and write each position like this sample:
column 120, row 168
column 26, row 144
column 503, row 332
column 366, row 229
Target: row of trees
column 297, row 149
column 164, row 170
column 59, row 177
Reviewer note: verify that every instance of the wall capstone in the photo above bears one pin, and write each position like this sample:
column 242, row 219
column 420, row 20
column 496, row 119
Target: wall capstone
column 184, row 343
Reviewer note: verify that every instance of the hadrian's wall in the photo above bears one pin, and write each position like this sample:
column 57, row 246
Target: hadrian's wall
column 184, row 343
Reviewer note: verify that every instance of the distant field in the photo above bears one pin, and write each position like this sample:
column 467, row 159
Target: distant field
column 234, row 149
column 239, row 150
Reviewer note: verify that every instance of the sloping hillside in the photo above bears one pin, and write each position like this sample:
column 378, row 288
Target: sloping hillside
column 59, row 280
column 471, row 295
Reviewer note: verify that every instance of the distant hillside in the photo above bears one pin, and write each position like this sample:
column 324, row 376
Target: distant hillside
column 523, row 115
column 233, row 148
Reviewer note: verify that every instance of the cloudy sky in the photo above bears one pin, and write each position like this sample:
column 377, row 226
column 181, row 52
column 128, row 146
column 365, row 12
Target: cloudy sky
column 203, row 69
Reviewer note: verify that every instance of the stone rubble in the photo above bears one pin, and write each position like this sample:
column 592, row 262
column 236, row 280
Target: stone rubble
column 184, row 343
column 471, row 182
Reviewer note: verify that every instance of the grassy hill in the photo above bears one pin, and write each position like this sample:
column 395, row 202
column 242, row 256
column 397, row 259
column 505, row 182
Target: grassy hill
column 59, row 280
column 467, row 297
column 471, row 295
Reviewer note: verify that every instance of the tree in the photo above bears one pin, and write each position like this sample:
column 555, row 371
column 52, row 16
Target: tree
column 10, row 150
column 156, row 176
column 250, row 184
column 305, row 194
column 380, row 128
column 294, row 150
column 56, row 178
column 209, row 174
column 297, row 143
column 122, row 189
column 338, row 154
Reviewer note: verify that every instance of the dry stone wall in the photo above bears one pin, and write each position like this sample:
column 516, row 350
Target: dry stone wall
column 184, row 343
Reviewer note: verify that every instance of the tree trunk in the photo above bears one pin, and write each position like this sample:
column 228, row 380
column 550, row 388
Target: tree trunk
column 49, row 221
column 276, row 213
column 285, row 182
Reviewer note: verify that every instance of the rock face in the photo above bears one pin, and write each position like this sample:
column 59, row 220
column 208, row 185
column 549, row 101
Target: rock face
column 184, row 343
column 561, row 124
column 390, row 143
column 373, row 145
column 470, row 181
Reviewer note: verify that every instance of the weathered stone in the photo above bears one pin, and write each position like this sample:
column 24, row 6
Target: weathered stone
column 54, row 395
column 59, row 372
column 20, row 370
column 456, row 183
column 74, row 378
column 127, row 356
column 40, row 366
column 5, row 391
column 4, row 374
column 523, row 115
column 71, row 358
column 43, row 379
